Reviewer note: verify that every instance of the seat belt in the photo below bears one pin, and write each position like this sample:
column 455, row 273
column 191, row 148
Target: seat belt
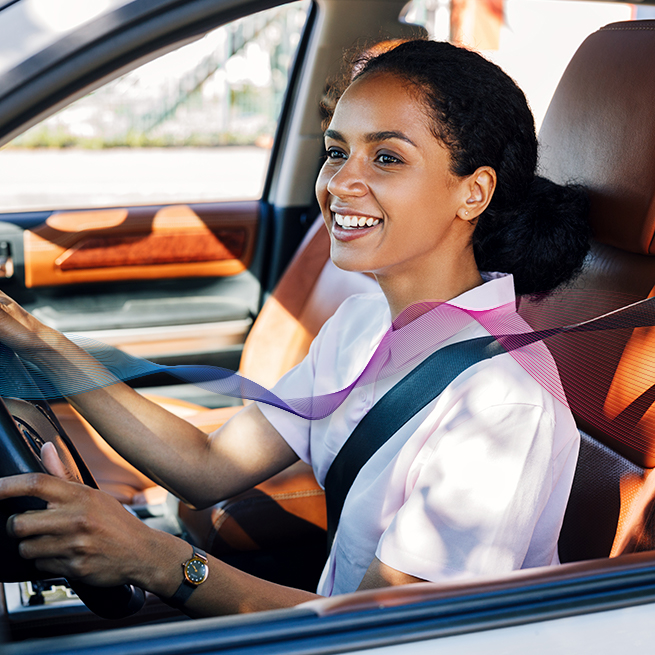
column 405, row 399
column 429, row 379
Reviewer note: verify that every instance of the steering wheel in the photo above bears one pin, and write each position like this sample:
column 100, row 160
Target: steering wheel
column 24, row 428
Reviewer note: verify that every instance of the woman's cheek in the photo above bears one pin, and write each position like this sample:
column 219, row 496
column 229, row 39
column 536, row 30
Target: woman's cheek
column 322, row 194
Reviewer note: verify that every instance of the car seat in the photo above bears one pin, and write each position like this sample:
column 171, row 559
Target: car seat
column 599, row 132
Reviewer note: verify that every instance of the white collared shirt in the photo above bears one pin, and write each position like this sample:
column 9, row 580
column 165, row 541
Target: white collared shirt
column 476, row 483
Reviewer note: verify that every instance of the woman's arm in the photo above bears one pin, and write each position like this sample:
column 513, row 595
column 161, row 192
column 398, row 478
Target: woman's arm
column 198, row 468
column 86, row 534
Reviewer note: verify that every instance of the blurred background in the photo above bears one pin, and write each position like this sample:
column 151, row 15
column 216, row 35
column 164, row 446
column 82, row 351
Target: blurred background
column 198, row 123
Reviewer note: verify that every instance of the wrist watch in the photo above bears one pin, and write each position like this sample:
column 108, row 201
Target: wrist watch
column 196, row 571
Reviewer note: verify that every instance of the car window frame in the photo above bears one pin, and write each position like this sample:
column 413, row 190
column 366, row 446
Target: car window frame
column 589, row 588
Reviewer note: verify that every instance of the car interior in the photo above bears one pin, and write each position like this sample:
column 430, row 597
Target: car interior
column 597, row 133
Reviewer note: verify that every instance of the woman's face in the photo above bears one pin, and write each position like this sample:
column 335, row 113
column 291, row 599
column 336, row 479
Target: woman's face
column 386, row 191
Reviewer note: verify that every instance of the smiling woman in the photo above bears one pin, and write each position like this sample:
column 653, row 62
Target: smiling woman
column 431, row 157
column 402, row 182
column 428, row 183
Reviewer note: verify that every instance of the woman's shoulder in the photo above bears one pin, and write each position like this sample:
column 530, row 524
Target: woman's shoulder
column 361, row 310
column 523, row 378
column 502, row 383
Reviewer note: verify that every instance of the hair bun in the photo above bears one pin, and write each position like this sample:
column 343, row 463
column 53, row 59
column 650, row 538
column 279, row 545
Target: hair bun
column 543, row 242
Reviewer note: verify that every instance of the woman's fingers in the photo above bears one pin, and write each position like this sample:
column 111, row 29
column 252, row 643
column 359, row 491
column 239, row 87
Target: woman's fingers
column 28, row 524
column 39, row 485
column 66, row 538
column 53, row 464
column 59, row 494
column 48, row 546
column 73, row 558
column 61, row 521
column 83, row 534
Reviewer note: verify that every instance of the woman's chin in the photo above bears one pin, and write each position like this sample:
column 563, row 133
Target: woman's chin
column 348, row 261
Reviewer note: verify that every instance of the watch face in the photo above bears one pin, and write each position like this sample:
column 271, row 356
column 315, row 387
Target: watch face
column 196, row 571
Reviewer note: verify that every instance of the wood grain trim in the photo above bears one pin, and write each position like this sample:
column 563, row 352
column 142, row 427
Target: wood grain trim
column 141, row 243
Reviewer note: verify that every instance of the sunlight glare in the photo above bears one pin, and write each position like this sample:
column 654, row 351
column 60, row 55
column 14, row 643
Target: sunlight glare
column 65, row 15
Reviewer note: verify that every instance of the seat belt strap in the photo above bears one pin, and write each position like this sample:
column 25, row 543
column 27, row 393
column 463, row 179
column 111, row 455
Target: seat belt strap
column 405, row 399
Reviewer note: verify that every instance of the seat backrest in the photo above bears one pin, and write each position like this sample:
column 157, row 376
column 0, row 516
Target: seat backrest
column 599, row 132
column 308, row 293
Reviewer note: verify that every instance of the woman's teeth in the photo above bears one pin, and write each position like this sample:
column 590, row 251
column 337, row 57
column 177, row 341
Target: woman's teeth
column 355, row 221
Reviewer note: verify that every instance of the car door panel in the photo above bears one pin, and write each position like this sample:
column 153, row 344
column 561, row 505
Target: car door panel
column 141, row 243
column 177, row 284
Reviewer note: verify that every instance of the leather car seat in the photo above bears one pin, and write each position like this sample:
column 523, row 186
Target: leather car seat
column 599, row 132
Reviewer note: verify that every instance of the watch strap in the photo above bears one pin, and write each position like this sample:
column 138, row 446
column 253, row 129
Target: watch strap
column 186, row 588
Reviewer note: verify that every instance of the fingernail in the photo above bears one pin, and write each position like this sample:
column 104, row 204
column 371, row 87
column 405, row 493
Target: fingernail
column 10, row 526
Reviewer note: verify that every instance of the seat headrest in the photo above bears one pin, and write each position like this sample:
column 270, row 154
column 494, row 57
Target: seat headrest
column 599, row 132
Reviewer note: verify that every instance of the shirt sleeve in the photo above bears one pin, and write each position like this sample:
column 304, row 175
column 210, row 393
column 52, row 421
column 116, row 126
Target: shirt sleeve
column 296, row 383
column 476, row 497
column 329, row 366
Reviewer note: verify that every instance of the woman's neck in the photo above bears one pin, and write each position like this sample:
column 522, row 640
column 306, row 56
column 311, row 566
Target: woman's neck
column 438, row 282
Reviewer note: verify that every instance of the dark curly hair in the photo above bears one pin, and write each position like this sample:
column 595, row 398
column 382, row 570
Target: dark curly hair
column 533, row 228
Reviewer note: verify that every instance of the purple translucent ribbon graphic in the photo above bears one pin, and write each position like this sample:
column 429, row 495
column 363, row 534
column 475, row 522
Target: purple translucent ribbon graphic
column 415, row 334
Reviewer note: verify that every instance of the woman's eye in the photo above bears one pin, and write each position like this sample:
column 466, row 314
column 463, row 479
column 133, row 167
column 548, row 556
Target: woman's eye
column 335, row 153
column 384, row 158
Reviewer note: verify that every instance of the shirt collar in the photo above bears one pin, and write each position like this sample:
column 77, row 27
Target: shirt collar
column 497, row 292
column 431, row 329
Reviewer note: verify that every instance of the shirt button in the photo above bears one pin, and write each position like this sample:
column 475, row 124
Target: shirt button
column 362, row 396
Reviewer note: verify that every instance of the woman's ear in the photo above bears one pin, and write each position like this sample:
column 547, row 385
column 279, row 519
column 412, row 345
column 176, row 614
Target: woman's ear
column 479, row 189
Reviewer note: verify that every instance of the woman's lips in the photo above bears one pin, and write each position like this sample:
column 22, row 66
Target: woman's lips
column 346, row 227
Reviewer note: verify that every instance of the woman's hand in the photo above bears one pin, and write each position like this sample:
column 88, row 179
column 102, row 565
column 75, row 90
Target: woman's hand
column 84, row 534
column 22, row 332
column 66, row 365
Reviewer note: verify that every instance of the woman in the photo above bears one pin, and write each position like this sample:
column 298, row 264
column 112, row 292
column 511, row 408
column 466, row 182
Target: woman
column 429, row 179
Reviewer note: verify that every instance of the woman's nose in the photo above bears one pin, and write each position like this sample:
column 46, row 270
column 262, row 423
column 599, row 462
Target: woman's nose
column 349, row 180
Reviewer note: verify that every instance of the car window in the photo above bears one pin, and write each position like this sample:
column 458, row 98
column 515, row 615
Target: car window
column 532, row 40
column 194, row 125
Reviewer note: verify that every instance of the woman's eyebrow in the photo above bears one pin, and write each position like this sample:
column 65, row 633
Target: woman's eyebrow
column 333, row 134
column 375, row 137
column 372, row 137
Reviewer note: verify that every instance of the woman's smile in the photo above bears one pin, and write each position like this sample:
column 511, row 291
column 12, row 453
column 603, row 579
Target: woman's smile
column 347, row 226
column 355, row 221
